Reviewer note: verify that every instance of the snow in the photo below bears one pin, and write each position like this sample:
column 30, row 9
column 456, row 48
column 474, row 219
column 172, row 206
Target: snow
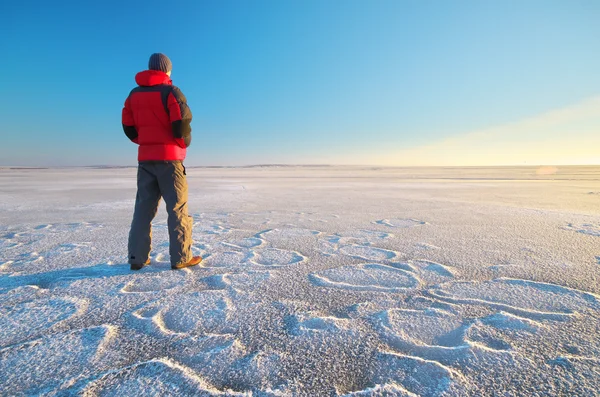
column 349, row 281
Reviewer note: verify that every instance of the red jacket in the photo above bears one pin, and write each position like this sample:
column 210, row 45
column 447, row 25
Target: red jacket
column 156, row 117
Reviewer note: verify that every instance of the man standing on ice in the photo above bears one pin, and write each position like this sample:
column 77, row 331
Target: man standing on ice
column 157, row 118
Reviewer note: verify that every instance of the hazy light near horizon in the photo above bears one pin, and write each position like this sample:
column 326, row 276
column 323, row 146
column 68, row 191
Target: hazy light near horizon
column 567, row 136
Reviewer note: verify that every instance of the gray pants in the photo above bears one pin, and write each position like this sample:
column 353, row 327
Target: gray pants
column 156, row 179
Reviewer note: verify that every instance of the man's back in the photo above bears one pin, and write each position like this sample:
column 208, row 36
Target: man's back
column 156, row 117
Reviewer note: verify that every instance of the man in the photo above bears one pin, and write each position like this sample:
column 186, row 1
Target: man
column 157, row 118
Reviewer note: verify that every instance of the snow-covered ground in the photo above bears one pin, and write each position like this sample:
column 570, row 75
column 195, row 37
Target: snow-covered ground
column 317, row 281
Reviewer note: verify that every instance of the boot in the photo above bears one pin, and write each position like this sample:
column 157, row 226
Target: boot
column 192, row 262
column 138, row 267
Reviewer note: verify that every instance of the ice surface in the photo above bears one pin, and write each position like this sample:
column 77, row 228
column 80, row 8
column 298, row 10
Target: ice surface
column 316, row 281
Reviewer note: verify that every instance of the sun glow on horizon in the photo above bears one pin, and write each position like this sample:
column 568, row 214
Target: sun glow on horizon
column 567, row 136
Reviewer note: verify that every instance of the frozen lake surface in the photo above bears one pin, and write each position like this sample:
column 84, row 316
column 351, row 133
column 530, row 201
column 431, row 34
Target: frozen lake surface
column 317, row 281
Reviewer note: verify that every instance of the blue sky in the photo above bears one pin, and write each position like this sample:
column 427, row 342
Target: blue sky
column 330, row 81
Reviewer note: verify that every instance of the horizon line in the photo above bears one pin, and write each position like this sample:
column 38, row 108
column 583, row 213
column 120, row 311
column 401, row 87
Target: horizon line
column 274, row 165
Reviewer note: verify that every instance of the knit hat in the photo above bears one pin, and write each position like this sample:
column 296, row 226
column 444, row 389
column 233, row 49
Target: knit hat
column 160, row 62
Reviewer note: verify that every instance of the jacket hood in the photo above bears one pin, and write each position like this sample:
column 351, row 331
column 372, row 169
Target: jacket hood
column 148, row 78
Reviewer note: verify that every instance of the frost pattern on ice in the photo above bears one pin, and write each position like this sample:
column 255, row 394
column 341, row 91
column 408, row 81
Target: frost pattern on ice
column 191, row 313
column 360, row 237
column 436, row 272
column 529, row 299
column 585, row 228
column 24, row 320
column 403, row 375
column 367, row 253
column 148, row 283
column 249, row 242
column 309, row 323
column 276, row 257
column 400, row 223
column 227, row 259
column 366, row 277
column 287, row 233
column 34, row 367
column 158, row 377
column 242, row 282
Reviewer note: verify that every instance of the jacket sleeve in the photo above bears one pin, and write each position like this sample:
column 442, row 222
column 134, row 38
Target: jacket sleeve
column 129, row 122
column 180, row 117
